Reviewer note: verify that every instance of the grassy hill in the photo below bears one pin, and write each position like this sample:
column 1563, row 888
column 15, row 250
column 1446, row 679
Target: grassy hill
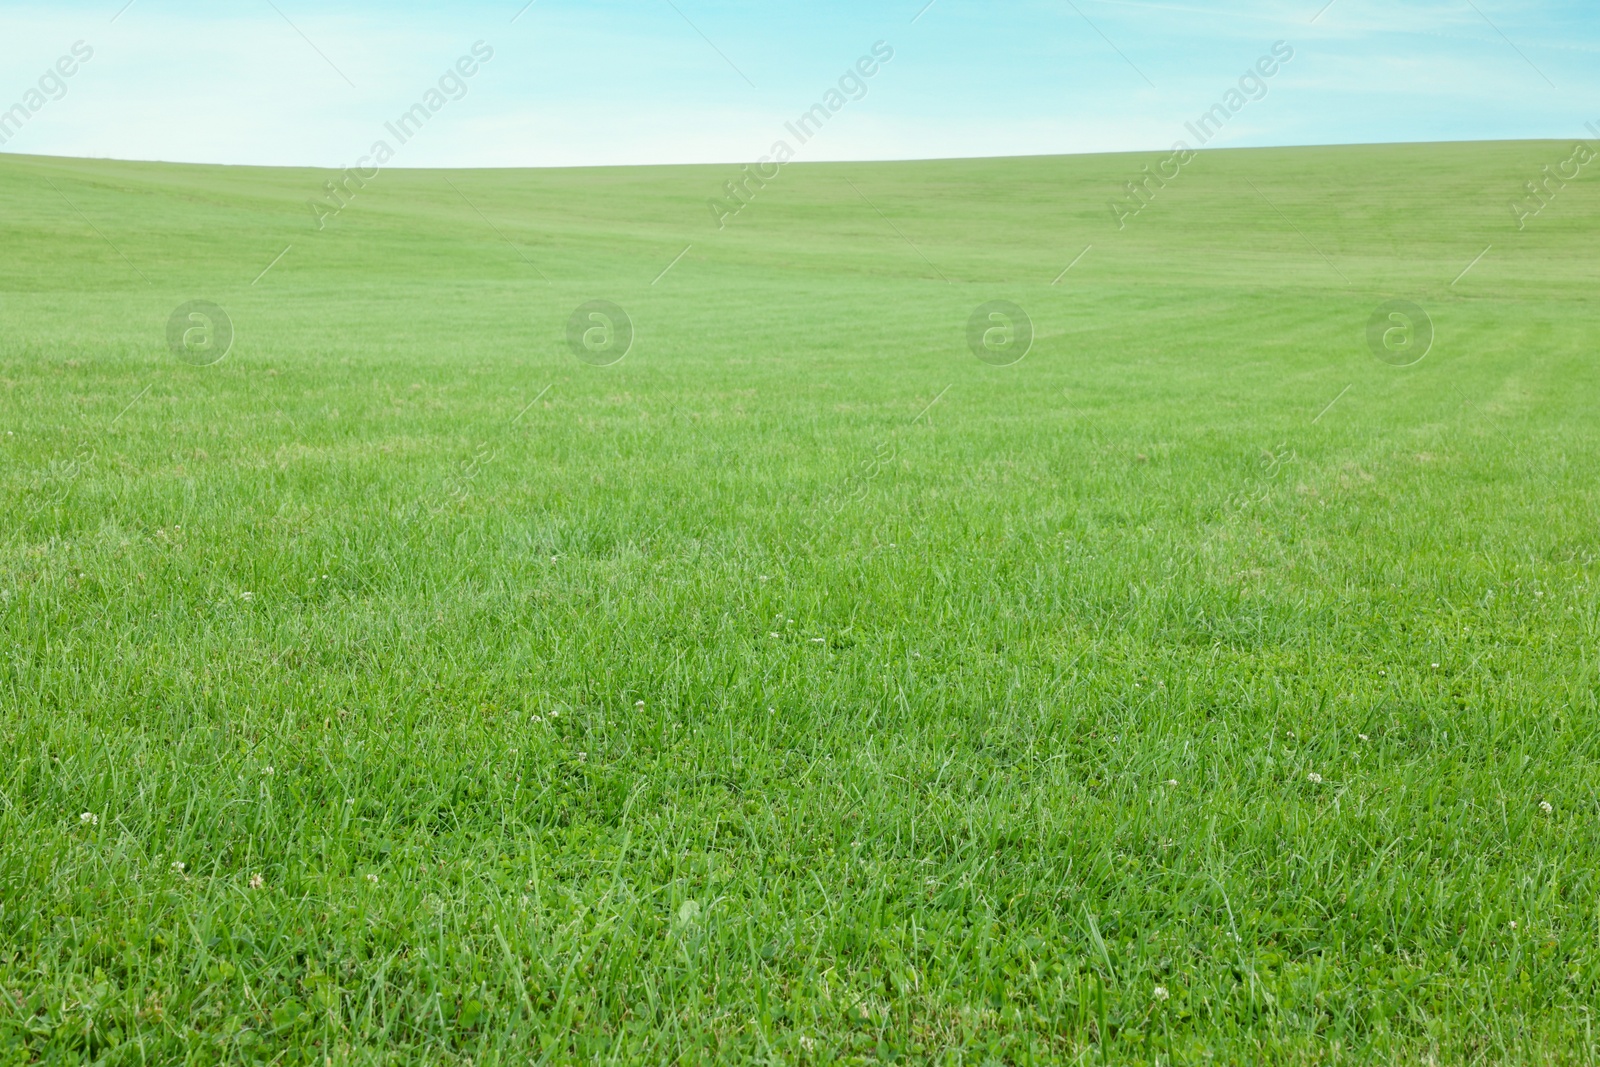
column 801, row 688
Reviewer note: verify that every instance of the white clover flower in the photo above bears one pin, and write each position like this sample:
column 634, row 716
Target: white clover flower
column 1544, row 806
column 256, row 881
column 178, row 866
column 1172, row 781
column 373, row 878
column 638, row 703
column 1161, row 992
column 89, row 818
column 1314, row 778
column 1364, row 737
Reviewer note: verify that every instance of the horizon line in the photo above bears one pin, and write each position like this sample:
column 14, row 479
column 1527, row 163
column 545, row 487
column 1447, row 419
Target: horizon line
column 806, row 163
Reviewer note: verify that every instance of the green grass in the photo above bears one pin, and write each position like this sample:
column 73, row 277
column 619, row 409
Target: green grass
column 734, row 704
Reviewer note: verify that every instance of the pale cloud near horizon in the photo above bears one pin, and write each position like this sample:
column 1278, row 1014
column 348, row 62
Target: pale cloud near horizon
column 604, row 82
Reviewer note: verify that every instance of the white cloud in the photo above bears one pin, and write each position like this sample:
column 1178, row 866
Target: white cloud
column 608, row 84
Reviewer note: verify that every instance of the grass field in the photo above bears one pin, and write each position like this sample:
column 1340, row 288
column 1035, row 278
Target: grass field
column 801, row 688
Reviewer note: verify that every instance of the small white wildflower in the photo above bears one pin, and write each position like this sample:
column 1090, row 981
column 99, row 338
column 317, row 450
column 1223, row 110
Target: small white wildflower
column 1161, row 992
column 774, row 635
column 808, row 1043
column 349, row 800
column 268, row 771
column 1513, row 924
column 1172, row 781
column 1544, row 806
column 247, row 596
column 256, row 881
column 1364, row 737
column 89, row 818
column 583, row 757
column 373, row 878
column 1435, row 666
column 178, row 866
column 638, row 703
column 1314, row 778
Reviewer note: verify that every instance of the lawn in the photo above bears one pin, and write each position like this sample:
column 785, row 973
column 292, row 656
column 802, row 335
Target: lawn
column 1203, row 686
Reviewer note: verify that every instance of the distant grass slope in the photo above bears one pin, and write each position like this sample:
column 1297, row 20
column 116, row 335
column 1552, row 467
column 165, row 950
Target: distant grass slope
column 801, row 689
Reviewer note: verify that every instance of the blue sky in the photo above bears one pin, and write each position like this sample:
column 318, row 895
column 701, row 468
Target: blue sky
column 296, row 82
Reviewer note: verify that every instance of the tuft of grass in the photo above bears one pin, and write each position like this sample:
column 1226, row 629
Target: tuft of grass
column 800, row 688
